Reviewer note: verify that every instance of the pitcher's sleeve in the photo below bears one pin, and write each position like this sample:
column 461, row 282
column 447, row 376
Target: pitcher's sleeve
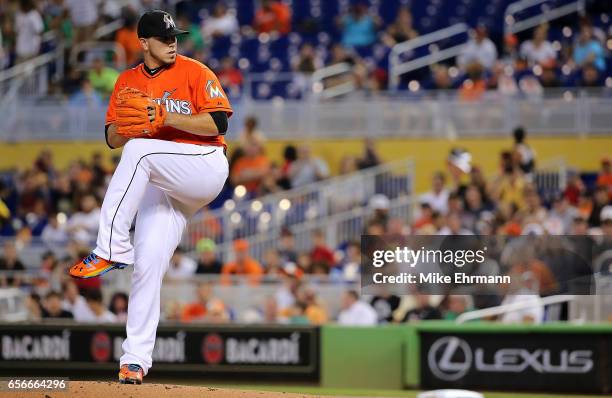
column 209, row 95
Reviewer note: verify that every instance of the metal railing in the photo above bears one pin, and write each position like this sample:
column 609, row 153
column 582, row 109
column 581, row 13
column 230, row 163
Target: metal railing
column 512, row 25
column 337, row 228
column 506, row 308
column 433, row 114
column 267, row 215
column 397, row 67
column 346, row 86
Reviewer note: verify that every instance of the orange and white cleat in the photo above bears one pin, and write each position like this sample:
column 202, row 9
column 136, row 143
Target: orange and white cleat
column 92, row 266
column 130, row 374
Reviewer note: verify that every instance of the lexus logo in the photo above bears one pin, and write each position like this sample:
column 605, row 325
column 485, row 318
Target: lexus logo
column 449, row 358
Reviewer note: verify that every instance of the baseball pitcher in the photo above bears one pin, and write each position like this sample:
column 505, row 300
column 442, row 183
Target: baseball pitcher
column 169, row 114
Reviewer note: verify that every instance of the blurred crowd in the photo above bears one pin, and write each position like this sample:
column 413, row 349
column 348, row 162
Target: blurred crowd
column 62, row 208
column 527, row 63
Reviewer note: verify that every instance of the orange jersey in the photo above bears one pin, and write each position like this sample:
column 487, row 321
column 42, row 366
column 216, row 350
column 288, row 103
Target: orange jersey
column 187, row 87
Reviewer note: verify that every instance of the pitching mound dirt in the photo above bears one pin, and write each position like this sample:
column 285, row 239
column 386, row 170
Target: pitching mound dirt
column 102, row 389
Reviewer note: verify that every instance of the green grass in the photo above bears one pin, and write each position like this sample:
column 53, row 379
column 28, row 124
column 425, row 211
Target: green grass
column 381, row 393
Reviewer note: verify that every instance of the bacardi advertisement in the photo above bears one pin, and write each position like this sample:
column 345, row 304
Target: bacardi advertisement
column 219, row 350
column 517, row 361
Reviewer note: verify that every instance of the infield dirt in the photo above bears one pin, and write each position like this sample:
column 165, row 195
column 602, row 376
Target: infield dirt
column 107, row 389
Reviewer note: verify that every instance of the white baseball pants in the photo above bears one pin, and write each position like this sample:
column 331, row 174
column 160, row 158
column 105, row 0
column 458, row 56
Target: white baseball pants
column 164, row 182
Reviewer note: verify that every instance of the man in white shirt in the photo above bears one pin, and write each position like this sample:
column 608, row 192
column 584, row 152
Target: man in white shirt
column 29, row 25
column 84, row 16
column 83, row 225
column 99, row 313
column 307, row 168
column 74, row 302
column 181, row 266
column 479, row 49
column 355, row 312
column 539, row 51
column 437, row 198
column 220, row 23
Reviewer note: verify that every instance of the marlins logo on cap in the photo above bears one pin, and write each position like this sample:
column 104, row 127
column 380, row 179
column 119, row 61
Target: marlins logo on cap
column 157, row 23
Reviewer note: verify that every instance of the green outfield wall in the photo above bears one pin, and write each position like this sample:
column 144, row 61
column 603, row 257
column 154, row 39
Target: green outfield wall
column 390, row 356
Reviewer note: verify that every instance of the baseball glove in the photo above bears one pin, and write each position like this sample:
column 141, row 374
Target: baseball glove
column 137, row 114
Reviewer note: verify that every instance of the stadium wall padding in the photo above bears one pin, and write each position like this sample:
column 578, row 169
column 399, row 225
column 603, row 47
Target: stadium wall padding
column 388, row 357
column 363, row 357
column 580, row 152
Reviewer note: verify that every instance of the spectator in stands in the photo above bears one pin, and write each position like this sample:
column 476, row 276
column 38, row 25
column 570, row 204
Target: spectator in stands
column 358, row 26
column 523, row 151
column 441, row 79
column 306, row 168
column 479, row 49
column 604, row 177
column 30, row 26
column 220, row 23
column 606, row 221
column 437, row 198
column 52, row 307
column 216, row 312
column 230, row 76
column 251, row 135
column 509, row 186
column 474, row 87
column 119, row 306
column 73, row 301
column 196, row 310
column 190, row 44
column 549, row 78
column 356, row 312
column 423, row 309
column 98, row 312
column 588, row 50
column 385, row 305
column 454, row 305
column 4, row 54
column 86, row 96
column 250, row 169
column 9, row 262
column 207, row 260
column 379, row 205
column 272, row 262
column 600, row 200
column 270, row 311
column 286, row 246
column 539, row 51
column 102, row 77
column 273, row 16
column 526, row 292
column 33, row 307
column 83, row 225
column 243, row 264
column 307, row 61
column 84, row 17
column 561, row 216
column 127, row 38
column 181, row 267
column 575, row 187
column 320, row 252
column 349, row 267
column 289, row 156
column 370, row 156
column 589, row 77
column 474, row 206
column 401, row 29
column 314, row 310
column 54, row 233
